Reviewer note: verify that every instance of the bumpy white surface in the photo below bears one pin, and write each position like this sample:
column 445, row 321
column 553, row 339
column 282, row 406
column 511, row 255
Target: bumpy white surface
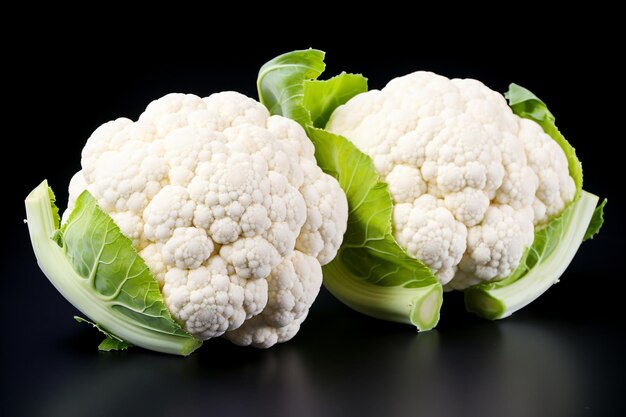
column 226, row 205
column 470, row 179
column 293, row 286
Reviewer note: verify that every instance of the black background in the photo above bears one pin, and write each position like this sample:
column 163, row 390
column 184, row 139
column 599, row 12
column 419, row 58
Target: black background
column 562, row 356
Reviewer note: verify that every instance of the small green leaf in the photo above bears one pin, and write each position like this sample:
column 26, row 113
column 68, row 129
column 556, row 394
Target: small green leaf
column 596, row 221
column 110, row 342
column 321, row 98
column 280, row 83
column 55, row 210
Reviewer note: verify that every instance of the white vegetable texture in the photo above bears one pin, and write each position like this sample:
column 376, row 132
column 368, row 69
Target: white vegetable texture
column 227, row 207
column 470, row 179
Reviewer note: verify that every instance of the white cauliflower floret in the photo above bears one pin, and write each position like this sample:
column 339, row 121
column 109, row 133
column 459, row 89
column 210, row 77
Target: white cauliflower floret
column 76, row 187
column 124, row 173
column 153, row 256
column 293, row 286
column 216, row 195
column 131, row 226
column 262, row 335
column 188, row 248
column 495, row 247
column 460, row 166
column 209, row 300
column 327, row 209
column 170, row 209
column 463, row 155
column 555, row 188
column 429, row 232
column 252, row 257
column 405, row 184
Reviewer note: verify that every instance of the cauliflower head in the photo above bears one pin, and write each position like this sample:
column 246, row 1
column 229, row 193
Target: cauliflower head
column 470, row 179
column 227, row 207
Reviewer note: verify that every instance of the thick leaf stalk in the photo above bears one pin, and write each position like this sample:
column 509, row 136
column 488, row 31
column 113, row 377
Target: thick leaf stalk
column 94, row 266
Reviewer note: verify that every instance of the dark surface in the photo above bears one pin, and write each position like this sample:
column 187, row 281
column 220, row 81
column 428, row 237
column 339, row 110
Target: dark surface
column 562, row 356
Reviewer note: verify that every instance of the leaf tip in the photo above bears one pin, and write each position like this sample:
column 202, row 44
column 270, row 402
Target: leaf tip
column 597, row 220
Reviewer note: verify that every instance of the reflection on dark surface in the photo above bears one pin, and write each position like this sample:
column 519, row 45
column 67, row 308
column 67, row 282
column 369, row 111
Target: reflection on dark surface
column 359, row 367
column 560, row 357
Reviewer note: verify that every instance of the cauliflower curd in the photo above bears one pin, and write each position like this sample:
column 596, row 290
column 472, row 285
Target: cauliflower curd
column 227, row 207
column 470, row 179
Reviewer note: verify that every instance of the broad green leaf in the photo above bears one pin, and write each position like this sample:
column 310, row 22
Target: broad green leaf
column 103, row 256
column 369, row 249
column 371, row 272
column 96, row 268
